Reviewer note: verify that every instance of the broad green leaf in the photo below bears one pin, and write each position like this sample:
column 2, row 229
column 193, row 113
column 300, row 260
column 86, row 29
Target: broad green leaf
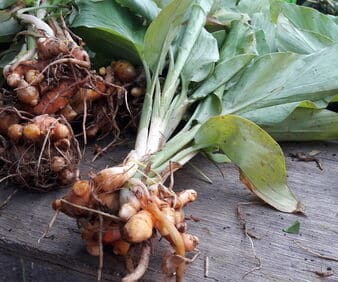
column 223, row 72
column 263, row 16
column 218, row 4
column 193, row 30
column 304, row 30
column 146, row 8
column 209, row 107
column 9, row 27
column 223, row 17
column 271, row 115
column 299, row 41
column 276, row 114
column 311, row 20
column 162, row 3
column 265, row 29
column 288, row 27
column 250, row 7
column 6, row 3
column 204, row 52
column 240, row 40
column 283, row 79
column 237, row 52
column 257, row 155
column 262, row 44
column 220, row 37
column 110, row 29
column 306, row 124
column 160, row 34
column 293, row 229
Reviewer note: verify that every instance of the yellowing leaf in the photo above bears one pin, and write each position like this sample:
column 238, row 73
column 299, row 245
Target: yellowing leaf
column 258, row 156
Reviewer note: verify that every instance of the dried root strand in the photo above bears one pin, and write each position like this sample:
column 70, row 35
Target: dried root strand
column 141, row 267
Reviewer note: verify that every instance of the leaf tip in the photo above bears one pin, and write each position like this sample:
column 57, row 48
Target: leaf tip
column 300, row 208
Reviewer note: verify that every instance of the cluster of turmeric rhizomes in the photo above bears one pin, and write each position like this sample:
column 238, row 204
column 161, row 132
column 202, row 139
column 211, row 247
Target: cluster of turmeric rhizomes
column 55, row 88
column 117, row 109
column 117, row 209
column 37, row 152
column 59, row 81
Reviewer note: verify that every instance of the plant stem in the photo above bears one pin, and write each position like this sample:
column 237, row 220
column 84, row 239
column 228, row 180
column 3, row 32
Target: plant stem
column 193, row 30
column 142, row 135
column 175, row 113
column 173, row 146
column 181, row 158
column 38, row 23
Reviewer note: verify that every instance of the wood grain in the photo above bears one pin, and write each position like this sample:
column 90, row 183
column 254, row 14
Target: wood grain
column 62, row 257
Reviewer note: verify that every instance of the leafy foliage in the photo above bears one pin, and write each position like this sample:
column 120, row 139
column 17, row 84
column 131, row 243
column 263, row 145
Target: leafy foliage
column 4, row 4
column 115, row 33
column 8, row 26
column 145, row 8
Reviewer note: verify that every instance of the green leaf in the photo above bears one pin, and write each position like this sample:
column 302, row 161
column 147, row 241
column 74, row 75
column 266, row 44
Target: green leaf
column 250, row 7
column 220, row 37
column 306, row 124
column 266, row 31
column 236, row 53
column 258, row 156
column 160, row 34
column 304, row 30
column 6, row 3
column 221, row 17
column 240, row 40
column 289, row 27
column 109, row 29
column 209, row 107
column 162, row 3
column 218, row 4
column 8, row 27
column 146, row 8
column 204, row 52
column 275, row 114
column 284, row 79
column 299, row 41
column 193, row 30
column 311, row 20
column 293, row 229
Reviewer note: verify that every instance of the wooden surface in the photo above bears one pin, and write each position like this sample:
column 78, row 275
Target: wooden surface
column 61, row 256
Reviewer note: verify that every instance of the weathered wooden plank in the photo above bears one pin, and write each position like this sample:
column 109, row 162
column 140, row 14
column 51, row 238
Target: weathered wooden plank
column 222, row 240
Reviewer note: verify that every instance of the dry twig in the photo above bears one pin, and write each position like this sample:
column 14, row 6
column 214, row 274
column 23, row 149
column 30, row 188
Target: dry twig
column 249, row 235
column 142, row 266
column 4, row 203
column 314, row 253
